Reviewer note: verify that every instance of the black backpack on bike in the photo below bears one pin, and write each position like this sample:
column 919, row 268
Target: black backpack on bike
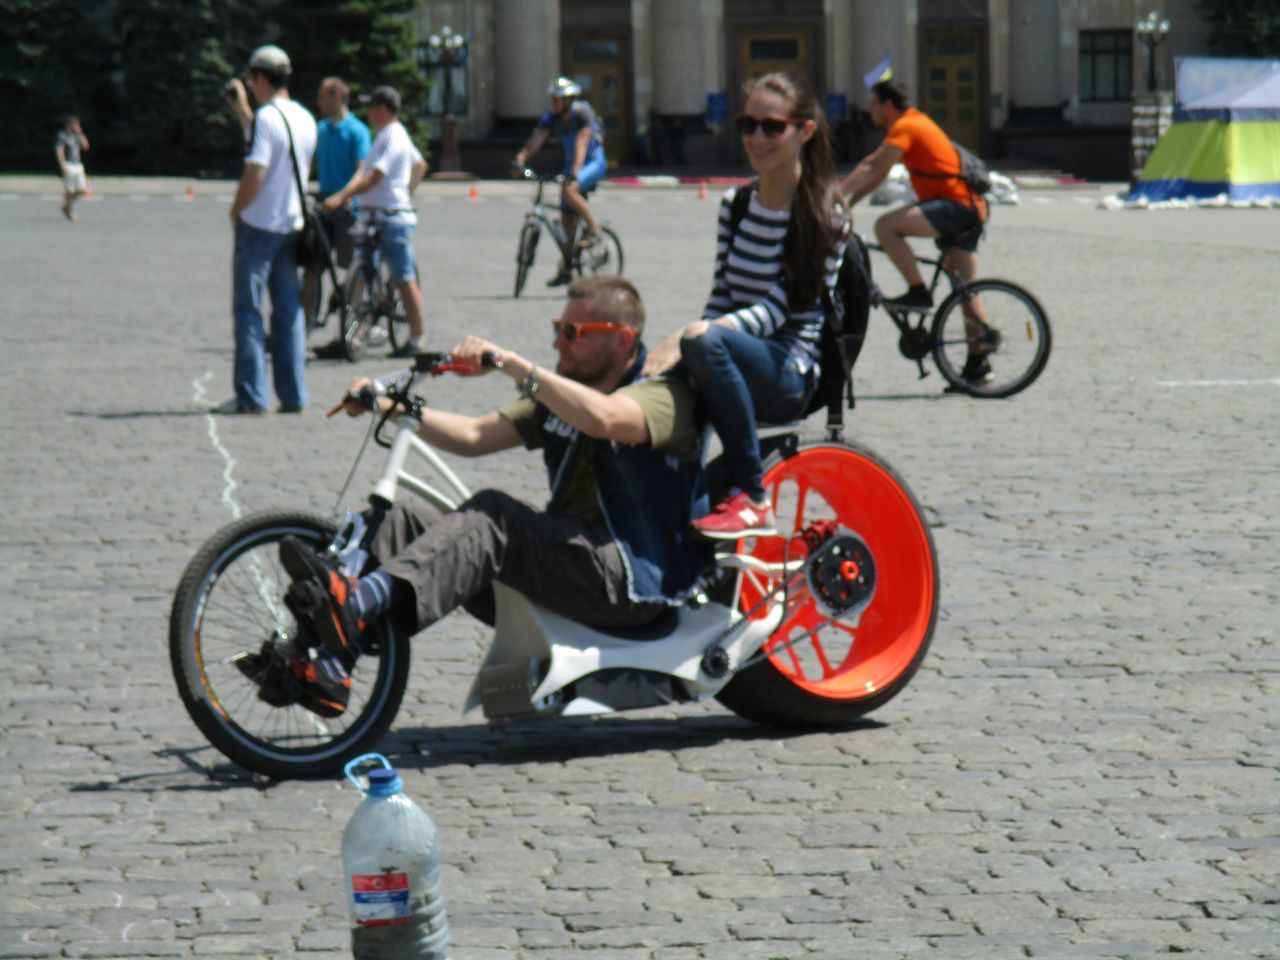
column 847, row 306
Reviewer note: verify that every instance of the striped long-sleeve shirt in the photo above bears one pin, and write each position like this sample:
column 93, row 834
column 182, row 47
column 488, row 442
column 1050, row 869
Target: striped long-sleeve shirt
column 748, row 285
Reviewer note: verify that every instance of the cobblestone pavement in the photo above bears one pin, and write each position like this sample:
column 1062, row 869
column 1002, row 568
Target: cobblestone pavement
column 1086, row 765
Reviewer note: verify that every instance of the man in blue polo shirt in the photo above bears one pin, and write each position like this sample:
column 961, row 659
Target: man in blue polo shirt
column 342, row 142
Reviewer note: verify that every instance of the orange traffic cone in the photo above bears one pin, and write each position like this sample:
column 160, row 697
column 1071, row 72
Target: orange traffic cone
column 702, row 189
column 191, row 192
column 474, row 192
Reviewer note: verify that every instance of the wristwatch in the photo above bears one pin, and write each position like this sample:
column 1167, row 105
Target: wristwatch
column 528, row 387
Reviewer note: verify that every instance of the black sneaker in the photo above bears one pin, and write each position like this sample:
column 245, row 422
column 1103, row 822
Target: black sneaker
column 333, row 350
column 917, row 298
column 315, row 680
column 405, row 350
column 560, row 279
column 975, row 373
column 322, row 682
column 322, row 600
column 234, row 407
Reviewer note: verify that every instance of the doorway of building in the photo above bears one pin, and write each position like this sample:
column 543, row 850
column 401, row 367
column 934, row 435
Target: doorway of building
column 952, row 91
column 599, row 65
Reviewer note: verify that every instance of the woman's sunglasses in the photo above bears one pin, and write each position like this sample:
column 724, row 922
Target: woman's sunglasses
column 572, row 331
column 772, row 126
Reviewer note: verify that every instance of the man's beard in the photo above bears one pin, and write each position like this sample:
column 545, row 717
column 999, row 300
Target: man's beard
column 587, row 377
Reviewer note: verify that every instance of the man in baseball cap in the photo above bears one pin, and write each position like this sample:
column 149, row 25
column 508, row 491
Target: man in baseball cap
column 383, row 96
column 270, row 59
column 385, row 183
column 266, row 216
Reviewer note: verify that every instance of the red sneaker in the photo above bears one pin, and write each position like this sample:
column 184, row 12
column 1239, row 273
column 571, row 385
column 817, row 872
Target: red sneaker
column 735, row 517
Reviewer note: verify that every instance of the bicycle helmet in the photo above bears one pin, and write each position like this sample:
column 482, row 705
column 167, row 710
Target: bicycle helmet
column 563, row 87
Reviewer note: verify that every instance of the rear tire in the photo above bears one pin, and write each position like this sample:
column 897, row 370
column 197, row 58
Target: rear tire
column 603, row 259
column 229, row 602
column 1018, row 342
column 848, row 668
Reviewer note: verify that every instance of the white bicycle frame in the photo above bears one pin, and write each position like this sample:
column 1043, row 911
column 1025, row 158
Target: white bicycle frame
column 536, row 655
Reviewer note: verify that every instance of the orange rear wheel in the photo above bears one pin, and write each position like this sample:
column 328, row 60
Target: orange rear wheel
column 846, row 668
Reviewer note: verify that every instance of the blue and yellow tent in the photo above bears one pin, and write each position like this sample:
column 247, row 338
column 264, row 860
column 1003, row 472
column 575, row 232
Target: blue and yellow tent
column 1225, row 144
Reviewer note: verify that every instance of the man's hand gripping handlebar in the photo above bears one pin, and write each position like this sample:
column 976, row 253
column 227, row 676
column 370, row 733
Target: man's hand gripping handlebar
column 365, row 395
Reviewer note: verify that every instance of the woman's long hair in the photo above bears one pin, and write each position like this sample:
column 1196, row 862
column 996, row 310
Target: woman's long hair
column 814, row 229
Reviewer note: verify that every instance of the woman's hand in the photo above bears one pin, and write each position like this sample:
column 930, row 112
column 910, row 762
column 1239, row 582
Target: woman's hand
column 667, row 354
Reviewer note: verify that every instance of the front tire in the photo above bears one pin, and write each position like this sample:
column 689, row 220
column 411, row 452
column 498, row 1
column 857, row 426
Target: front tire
column 1016, row 340
column 230, row 602
column 847, row 668
column 524, row 254
column 359, row 312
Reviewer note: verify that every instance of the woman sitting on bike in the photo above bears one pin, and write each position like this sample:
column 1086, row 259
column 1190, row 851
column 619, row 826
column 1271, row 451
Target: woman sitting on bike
column 755, row 352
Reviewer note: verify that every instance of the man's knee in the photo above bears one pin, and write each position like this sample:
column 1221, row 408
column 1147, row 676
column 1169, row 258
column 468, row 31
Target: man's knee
column 697, row 348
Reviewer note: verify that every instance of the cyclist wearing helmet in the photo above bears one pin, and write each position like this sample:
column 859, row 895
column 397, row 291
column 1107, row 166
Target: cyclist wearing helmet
column 575, row 124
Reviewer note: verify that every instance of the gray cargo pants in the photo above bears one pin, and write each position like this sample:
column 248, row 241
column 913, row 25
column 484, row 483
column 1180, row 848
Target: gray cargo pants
column 450, row 559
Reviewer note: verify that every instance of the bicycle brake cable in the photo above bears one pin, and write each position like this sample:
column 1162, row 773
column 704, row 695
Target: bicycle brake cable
column 342, row 494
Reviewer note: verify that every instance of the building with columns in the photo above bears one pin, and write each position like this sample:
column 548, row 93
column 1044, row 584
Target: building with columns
column 1043, row 81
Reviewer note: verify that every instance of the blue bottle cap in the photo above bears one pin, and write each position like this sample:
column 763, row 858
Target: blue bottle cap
column 384, row 782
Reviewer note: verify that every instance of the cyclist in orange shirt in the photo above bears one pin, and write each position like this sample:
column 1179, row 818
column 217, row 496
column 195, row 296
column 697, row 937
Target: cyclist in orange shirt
column 946, row 209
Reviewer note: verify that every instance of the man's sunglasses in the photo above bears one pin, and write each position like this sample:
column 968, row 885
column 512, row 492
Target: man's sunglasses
column 772, row 126
column 572, row 331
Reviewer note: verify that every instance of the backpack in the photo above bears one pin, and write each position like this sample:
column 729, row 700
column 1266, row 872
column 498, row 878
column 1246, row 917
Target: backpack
column 846, row 307
column 973, row 172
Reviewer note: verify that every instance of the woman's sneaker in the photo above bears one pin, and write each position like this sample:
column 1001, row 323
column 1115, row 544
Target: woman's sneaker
column 737, row 516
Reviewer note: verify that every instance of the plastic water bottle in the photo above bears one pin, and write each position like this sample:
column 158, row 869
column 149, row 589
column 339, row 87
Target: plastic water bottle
column 391, row 857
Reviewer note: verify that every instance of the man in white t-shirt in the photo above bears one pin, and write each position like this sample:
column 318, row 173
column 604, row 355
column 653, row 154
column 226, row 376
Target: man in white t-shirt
column 267, row 214
column 385, row 183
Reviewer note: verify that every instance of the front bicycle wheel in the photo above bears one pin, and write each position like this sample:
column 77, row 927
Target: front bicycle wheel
column 229, row 603
column 992, row 339
column 845, row 668
column 359, row 311
column 525, row 249
column 604, row 257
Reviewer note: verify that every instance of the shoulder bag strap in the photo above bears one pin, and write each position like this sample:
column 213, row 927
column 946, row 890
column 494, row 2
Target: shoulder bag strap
column 302, row 200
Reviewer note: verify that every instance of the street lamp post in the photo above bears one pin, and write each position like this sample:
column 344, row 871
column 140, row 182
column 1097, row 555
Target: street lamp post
column 1151, row 30
column 442, row 53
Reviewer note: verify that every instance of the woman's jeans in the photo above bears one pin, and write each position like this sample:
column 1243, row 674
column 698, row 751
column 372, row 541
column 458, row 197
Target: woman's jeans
column 739, row 379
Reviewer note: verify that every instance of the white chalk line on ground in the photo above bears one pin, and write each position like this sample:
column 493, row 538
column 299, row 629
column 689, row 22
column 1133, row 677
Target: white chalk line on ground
column 229, row 462
column 263, row 582
column 1265, row 382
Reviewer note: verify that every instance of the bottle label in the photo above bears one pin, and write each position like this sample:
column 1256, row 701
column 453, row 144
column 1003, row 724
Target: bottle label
column 380, row 899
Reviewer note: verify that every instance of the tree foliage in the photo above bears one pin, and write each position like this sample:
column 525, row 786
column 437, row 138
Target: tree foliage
column 147, row 76
column 1243, row 28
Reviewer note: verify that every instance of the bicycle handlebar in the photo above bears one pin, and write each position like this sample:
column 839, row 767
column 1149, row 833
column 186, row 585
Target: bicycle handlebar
column 398, row 383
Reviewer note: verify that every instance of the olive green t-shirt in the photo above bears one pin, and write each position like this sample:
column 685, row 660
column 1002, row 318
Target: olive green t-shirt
column 668, row 407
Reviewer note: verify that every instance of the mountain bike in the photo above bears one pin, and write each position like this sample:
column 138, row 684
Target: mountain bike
column 1004, row 321
column 604, row 256
column 813, row 628
column 372, row 309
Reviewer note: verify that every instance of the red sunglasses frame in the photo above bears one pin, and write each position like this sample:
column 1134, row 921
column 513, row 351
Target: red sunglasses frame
column 573, row 331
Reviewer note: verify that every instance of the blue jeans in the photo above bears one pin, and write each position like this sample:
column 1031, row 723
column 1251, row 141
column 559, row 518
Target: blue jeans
column 396, row 244
column 738, row 378
column 265, row 262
